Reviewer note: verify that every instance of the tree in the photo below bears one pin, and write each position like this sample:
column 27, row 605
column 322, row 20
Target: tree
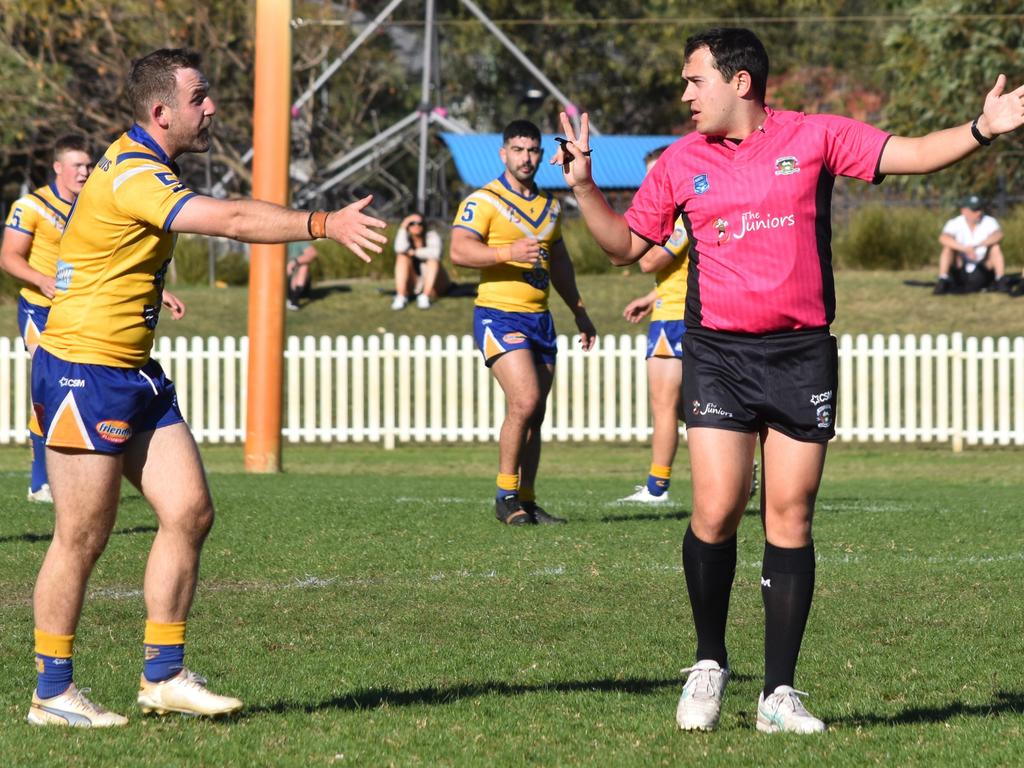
column 939, row 66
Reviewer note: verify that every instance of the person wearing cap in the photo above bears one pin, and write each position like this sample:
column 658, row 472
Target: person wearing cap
column 971, row 257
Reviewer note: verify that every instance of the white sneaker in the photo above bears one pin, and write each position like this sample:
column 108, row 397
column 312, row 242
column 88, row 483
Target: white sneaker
column 423, row 301
column 72, row 708
column 783, row 712
column 185, row 693
column 399, row 302
column 701, row 701
column 644, row 496
column 42, row 496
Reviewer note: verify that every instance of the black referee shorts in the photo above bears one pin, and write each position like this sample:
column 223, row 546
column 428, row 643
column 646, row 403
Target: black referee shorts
column 784, row 381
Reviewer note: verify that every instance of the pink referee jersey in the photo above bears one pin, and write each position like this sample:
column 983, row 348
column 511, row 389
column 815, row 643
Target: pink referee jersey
column 759, row 217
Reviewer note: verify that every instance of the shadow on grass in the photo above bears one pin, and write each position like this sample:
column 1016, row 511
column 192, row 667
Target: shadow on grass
column 385, row 697
column 34, row 537
column 1004, row 702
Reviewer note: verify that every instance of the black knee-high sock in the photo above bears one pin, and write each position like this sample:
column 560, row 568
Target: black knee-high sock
column 787, row 586
column 709, row 570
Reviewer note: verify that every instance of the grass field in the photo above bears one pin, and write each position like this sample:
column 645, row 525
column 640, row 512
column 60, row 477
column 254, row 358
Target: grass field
column 370, row 611
column 868, row 302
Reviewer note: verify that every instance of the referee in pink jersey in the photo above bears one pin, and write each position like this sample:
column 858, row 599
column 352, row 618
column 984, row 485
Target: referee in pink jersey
column 754, row 188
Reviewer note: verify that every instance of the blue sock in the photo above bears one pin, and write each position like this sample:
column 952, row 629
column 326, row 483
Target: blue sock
column 54, row 675
column 163, row 662
column 39, row 477
column 658, row 479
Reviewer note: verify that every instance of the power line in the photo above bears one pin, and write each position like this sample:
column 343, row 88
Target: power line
column 300, row 22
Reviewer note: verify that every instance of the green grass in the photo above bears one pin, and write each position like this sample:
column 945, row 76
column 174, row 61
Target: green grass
column 370, row 611
column 868, row 302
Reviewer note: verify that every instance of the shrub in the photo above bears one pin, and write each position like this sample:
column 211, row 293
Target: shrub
column 888, row 237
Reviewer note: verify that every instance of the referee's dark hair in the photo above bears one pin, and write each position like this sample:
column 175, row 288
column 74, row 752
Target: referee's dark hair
column 734, row 49
column 517, row 128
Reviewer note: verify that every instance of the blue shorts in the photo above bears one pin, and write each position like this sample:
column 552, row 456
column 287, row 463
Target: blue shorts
column 31, row 322
column 99, row 407
column 497, row 332
column 665, row 338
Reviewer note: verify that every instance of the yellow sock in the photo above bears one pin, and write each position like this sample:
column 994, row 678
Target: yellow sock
column 172, row 633
column 508, row 483
column 56, row 646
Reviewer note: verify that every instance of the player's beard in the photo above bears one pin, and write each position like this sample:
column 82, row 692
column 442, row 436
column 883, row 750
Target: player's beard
column 524, row 176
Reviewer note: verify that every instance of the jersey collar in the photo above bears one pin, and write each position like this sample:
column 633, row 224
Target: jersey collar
column 56, row 193
column 506, row 185
column 139, row 135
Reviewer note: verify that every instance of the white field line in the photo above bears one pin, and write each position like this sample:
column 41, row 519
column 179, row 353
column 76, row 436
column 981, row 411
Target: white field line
column 310, row 581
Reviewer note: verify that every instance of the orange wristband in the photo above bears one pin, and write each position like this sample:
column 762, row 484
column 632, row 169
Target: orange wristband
column 317, row 224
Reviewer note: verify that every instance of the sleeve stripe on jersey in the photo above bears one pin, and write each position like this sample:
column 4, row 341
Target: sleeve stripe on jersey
column 56, row 212
column 19, row 229
column 176, row 209
column 468, row 229
column 134, row 172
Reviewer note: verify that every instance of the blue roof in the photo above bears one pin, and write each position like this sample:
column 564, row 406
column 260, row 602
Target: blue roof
column 618, row 160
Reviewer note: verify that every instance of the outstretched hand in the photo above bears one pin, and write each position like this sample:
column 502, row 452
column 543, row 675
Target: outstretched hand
column 355, row 230
column 1003, row 112
column 574, row 155
column 637, row 309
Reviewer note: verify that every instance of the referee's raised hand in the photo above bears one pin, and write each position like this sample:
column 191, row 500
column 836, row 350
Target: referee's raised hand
column 574, row 153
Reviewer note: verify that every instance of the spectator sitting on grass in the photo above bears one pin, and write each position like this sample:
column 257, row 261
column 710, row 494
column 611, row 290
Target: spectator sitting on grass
column 300, row 279
column 418, row 268
column 971, row 259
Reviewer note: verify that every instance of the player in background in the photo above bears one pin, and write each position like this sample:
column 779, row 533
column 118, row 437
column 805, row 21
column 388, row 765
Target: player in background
column 29, row 253
column 106, row 408
column 753, row 185
column 665, row 304
column 511, row 232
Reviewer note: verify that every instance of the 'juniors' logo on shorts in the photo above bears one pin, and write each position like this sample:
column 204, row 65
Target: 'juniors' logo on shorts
column 114, row 431
column 514, row 337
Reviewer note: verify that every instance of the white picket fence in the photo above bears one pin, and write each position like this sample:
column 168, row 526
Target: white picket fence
column 388, row 389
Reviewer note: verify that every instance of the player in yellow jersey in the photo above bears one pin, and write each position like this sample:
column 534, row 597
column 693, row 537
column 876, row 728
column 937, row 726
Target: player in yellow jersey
column 107, row 410
column 511, row 232
column 29, row 254
column 665, row 304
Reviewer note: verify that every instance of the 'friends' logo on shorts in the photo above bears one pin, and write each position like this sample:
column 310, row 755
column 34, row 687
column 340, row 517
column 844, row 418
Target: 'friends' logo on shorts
column 114, row 431
column 514, row 337
column 709, row 408
column 71, row 383
column 821, row 397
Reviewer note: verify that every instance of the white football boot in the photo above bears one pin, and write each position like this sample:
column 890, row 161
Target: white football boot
column 42, row 496
column 644, row 496
column 72, row 708
column 783, row 712
column 185, row 693
column 701, row 701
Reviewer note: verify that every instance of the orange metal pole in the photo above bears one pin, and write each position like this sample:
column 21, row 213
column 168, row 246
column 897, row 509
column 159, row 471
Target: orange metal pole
column 266, row 270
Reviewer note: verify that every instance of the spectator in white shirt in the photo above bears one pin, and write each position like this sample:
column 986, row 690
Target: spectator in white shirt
column 971, row 259
column 418, row 268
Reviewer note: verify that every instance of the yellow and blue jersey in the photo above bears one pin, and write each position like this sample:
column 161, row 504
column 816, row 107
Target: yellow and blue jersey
column 500, row 216
column 42, row 215
column 116, row 248
column 671, row 281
